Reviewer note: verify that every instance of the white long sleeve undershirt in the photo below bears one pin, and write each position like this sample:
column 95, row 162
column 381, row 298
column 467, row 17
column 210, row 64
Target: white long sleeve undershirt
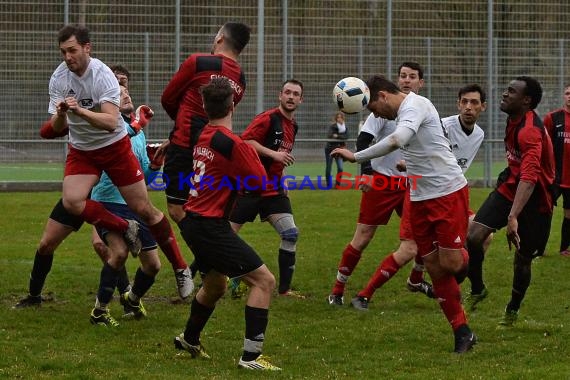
column 397, row 139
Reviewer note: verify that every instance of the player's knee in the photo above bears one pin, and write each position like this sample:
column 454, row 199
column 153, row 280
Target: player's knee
column 406, row 252
column 145, row 210
column 176, row 212
column 462, row 274
column 360, row 242
column 290, row 235
column 216, row 292
column 289, row 239
column 101, row 250
column 367, row 234
column 268, row 282
column 262, row 278
column 48, row 246
column 151, row 268
column 74, row 207
column 523, row 260
column 476, row 239
column 265, row 281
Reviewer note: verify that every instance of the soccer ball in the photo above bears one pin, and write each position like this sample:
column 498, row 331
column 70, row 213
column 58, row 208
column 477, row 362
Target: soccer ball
column 351, row 95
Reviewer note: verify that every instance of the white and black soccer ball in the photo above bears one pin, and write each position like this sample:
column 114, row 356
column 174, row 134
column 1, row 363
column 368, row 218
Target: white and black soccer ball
column 351, row 95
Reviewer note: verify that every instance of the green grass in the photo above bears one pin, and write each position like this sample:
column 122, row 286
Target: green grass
column 23, row 172
column 403, row 336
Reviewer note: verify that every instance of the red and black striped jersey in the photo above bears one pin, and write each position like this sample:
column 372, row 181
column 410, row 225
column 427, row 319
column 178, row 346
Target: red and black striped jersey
column 530, row 158
column 557, row 123
column 223, row 164
column 276, row 132
column 181, row 98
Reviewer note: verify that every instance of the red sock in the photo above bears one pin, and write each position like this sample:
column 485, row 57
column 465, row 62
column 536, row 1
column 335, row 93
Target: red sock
column 94, row 213
column 449, row 297
column 417, row 273
column 387, row 268
column 349, row 260
column 164, row 236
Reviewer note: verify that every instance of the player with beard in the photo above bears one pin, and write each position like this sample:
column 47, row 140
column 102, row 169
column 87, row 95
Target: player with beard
column 272, row 134
column 522, row 199
column 439, row 199
column 225, row 160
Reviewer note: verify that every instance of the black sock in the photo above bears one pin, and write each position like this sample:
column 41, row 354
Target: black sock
column 462, row 330
column 107, row 284
column 475, row 272
column 256, row 320
column 142, row 283
column 286, row 269
column 193, row 268
column 521, row 281
column 199, row 315
column 565, row 235
column 40, row 270
column 123, row 284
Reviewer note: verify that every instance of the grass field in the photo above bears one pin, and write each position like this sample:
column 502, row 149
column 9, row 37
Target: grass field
column 403, row 336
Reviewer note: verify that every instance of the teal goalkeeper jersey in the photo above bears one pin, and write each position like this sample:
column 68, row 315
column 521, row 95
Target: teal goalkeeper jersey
column 105, row 190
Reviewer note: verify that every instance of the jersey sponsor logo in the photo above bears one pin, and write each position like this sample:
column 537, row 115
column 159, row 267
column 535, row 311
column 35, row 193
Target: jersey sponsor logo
column 286, row 146
column 138, row 172
column 86, row 103
column 457, row 240
column 462, row 162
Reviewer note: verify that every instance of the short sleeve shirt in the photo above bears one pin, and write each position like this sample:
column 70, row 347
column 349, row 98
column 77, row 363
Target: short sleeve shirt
column 96, row 86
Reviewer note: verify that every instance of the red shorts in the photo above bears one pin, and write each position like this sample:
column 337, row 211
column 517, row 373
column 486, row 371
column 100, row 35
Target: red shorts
column 441, row 221
column 377, row 205
column 406, row 231
column 117, row 160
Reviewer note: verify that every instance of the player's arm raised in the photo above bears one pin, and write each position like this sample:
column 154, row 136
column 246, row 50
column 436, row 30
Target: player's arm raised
column 59, row 119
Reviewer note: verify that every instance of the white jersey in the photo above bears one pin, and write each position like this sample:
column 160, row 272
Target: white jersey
column 97, row 85
column 428, row 153
column 463, row 146
column 380, row 128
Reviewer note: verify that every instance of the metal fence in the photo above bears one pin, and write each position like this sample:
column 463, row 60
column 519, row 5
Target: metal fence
column 316, row 41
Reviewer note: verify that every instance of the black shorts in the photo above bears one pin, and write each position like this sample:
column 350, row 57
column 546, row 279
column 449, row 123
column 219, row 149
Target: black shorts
column 558, row 191
column 123, row 211
column 248, row 206
column 534, row 227
column 215, row 246
column 61, row 215
column 177, row 169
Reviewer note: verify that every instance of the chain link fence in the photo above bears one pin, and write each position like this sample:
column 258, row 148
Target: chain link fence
column 316, row 41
